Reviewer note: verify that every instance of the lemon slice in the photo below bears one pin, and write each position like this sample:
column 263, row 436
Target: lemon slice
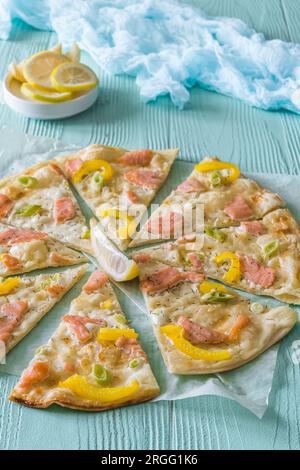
column 57, row 49
column 112, row 261
column 47, row 96
column 74, row 53
column 71, row 76
column 38, row 68
column 16, row 71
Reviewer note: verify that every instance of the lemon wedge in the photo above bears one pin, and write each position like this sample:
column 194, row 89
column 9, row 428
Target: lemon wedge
column 47, row 96
column 72, row 76
column 112, row 261
column 38, row 68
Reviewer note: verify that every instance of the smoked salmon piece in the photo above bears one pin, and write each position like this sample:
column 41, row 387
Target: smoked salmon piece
column 143, row 177
column 167, row 226
column 64, row 209
column 197, row 334
column 132, row 197
column 6, row 205
column 168, row 277
column 78, row 325
column 238, row 209
column 72, row 166
column 256, row 273
column 10, row 316
column 254, row 227
column 12, row 236
column 37, row 373
column 10, row 262
column 241, row 322
column 191, row 185
column 131, row 346
column 96, row 280
column 142, row 257
column 195, row 261
column 136, row 158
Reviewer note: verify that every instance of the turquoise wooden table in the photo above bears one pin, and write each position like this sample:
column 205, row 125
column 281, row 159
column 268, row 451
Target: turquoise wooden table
column 211, row 124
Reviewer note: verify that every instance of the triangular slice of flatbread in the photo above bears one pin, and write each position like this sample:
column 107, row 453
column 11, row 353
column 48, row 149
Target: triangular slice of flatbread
column 197, row 201
column 92, row 361
column 131, row 179
column 202, row 327
column 266, row 253
column 40, row 198
column 25, row 300
column 23, row 251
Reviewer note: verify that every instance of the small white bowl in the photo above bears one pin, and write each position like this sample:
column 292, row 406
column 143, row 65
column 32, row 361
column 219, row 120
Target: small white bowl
column 41, row 110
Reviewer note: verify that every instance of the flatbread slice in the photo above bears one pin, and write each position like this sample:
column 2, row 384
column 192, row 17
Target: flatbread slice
column 261, row 257
column 40, row 198
column 92, row 361
column 23, row 251
column 25, row 300
column 202, row 327
column 118, row 185
column 210, row 198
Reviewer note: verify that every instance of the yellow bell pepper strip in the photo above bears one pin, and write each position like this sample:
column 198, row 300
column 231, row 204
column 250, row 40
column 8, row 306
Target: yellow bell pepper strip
column 206, row 286
column 81, row 387
column 107, row 304
column 205, row 167
column 89, row 166
column 9, row 284
column 112, row 334
column 86, row 235
column 234, row 271
column 175, row 334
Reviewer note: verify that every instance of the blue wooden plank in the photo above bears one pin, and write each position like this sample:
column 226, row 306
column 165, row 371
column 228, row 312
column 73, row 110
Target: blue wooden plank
column 256, row 140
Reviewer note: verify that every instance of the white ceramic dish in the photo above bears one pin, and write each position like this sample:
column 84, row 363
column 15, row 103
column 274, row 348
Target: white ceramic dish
column 40, row 110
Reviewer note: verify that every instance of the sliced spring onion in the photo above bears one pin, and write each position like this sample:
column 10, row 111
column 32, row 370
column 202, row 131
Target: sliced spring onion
column 216, row 179
column 215, row 233
column 101, row 375
column 217, row 296
column 28, row 181
column 134, row 363
column 271, row 249
column 96, row 183
column 29, row 210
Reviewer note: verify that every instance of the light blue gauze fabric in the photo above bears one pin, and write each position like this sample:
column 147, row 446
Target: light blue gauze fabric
column 169, row 47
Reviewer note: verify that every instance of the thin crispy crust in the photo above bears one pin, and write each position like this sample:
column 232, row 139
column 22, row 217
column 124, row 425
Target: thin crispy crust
column 70, row 403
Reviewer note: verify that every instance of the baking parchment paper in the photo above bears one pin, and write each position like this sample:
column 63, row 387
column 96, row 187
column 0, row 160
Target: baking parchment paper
column 249, row 385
